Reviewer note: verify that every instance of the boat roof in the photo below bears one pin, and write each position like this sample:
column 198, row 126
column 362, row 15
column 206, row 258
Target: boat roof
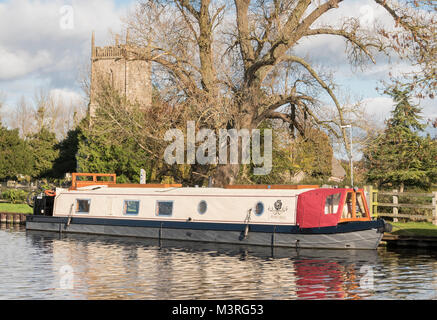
column 104, row 189
column 99, row 183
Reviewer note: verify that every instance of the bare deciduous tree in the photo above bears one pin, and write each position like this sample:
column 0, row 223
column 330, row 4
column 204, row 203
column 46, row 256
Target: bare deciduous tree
column 22, row 117
column 55, row 113
column 415, row 40
column 234, row 64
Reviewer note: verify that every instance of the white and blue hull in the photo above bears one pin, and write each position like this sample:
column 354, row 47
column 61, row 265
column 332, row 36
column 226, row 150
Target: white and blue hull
column 352, row 235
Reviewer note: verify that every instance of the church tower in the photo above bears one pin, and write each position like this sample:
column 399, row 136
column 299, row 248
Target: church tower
column 125, row 68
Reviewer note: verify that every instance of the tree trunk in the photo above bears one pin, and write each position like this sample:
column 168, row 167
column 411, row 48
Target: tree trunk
column 225, row 174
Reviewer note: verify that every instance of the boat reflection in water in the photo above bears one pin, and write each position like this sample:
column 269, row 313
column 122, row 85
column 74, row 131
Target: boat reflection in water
column 104, row 267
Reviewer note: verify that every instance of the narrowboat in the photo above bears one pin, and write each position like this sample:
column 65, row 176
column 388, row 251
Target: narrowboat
column 267, row 215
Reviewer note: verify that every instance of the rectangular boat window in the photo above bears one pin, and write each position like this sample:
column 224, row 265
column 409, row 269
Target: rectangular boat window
column 164, row 208
column 131, row 207
column 331, row 203
column 83, row 205
column 347, row 207
column 360, row 210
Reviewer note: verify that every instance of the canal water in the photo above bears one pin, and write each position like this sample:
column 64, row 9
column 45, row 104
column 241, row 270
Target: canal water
column 42, row 265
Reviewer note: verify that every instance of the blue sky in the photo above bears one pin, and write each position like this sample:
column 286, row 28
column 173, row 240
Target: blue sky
column 35, row 52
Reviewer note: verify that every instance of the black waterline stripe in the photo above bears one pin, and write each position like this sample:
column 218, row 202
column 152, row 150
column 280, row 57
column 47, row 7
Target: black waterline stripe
column 269, row 228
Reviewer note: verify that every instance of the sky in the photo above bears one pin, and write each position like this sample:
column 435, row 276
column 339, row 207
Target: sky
column 41, row 47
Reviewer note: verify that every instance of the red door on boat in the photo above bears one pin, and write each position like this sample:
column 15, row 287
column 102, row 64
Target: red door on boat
column 328, row 207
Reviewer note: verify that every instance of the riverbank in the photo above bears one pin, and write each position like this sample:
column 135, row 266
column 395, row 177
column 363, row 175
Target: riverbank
column 421, row 229
column 15, row 208
column 411, row 234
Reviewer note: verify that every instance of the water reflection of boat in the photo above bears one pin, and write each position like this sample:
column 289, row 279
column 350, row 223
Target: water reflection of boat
column 346, row 256
column 274, row 216
column 212, row 270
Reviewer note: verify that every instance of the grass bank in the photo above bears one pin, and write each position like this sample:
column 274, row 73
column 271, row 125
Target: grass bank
column 15, row 207
column 424, row 229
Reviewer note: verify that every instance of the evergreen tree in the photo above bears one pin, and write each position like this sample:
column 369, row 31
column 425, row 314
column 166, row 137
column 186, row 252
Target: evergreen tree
column 400, row 155
column 15, row 155
column 43, row 147
column 100, row 154
column 67, row 148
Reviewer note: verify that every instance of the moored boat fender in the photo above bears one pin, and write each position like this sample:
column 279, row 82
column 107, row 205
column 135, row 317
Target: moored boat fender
column 50, row 193
column 386, row 227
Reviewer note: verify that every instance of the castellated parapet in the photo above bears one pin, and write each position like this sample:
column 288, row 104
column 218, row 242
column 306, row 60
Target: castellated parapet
column 125, row 68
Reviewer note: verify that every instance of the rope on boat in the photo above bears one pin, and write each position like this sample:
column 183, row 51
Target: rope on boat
column 69, row 216
column 246, row 222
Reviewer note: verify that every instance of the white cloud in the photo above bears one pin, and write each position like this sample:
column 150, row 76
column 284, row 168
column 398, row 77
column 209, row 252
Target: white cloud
column 378, row 108
column 20, row 63
column 367, row 11
column 66, row 95
column 330, row 50
column 429, row 108
column 38, row 23
column 35, row 49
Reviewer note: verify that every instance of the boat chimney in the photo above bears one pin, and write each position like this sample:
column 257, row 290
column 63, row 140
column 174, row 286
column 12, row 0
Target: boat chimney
column 143, row 176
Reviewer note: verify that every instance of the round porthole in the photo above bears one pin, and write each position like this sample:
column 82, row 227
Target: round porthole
column 259, row 208
column 202, row 207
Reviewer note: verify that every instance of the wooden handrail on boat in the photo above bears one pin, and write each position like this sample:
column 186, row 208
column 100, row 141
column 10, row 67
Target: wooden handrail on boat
column 75, row 183
column 113, row 183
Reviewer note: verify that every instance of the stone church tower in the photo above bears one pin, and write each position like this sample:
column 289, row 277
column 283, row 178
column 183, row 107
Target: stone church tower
column 124, row 67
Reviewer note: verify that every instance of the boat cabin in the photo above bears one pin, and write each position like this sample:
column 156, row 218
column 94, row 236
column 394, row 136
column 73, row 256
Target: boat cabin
column 99, row 196
column 328, row 207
